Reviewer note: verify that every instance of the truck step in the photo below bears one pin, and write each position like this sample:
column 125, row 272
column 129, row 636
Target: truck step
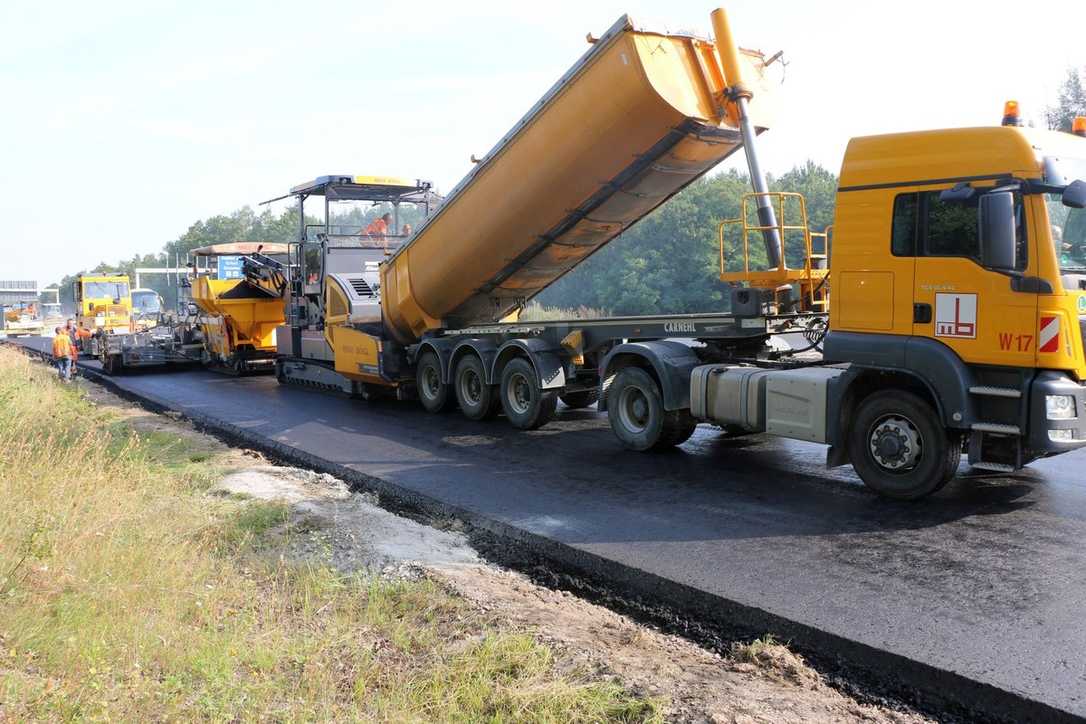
column 996, row 428
column 989, row 391
column 997, row 467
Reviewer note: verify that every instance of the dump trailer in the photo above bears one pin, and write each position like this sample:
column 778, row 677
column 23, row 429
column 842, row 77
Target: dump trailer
column 958, row 274
column 434, row 313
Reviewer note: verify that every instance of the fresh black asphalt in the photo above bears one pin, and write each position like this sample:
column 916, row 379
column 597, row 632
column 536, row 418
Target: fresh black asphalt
column 987, row 579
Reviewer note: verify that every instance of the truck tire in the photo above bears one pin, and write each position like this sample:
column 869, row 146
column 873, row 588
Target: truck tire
column 635, row 409
column 581, row 399
column 433, row 393
column 899, row 446
column 525, row 403
column 477, row 399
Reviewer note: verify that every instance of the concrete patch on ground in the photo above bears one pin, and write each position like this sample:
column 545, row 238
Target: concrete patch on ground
column 347, row 530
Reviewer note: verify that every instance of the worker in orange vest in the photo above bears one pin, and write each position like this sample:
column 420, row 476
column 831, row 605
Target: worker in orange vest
column 62, row 354
column 73, row 338
column 379, row 226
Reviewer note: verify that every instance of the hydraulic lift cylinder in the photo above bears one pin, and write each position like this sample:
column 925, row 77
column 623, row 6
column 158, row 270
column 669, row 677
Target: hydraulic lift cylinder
column 739, row 94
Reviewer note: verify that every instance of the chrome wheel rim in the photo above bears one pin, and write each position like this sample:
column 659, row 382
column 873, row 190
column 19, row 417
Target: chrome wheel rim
column 895, row 443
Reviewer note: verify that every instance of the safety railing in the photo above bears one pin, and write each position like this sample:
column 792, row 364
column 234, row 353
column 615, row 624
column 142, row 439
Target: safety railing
column 791, row 228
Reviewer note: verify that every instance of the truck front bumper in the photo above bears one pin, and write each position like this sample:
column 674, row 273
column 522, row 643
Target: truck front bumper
column 1068, row 431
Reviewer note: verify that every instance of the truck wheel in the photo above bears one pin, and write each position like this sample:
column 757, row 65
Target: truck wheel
column 581, row 399
column 526, row 405
column 477, row 399
column 635, row 409
column 433, row 394
column 899, row 447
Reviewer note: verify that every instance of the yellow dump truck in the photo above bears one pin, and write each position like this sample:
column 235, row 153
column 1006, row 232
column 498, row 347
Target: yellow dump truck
column 103, row 306
column 958, row 277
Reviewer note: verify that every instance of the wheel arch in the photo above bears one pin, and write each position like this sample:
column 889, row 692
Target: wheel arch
column 484, row 349
column 550, row 369
column 945, row 377
column 863, row 384
column 443, row 348
column 670, row 364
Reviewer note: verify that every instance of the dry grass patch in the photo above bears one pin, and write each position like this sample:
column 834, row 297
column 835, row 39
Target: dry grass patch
column 127, row 592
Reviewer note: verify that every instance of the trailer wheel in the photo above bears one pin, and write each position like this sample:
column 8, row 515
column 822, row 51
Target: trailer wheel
column 635, row 409
column 433, row 394
column 899, row 447
column 477, row 399
column 525, row 404
column 581, row 399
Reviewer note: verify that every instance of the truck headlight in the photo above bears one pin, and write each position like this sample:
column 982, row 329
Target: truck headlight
column 1060, row 407
column 1061, row 435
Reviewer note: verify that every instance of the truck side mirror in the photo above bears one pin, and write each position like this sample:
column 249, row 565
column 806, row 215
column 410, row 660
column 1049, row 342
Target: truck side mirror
column 1074, row 196
column 998, row 235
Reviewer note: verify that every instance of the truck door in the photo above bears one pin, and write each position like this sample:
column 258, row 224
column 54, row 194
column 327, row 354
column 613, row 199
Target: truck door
column 872, row 290
column 973, row 310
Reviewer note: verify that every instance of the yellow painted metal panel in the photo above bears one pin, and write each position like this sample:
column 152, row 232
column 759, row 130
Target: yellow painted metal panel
column 865, row 301
column 251, row 319
column 898, row 158
column 862, row 227
column 356, row 354
column 638, row 119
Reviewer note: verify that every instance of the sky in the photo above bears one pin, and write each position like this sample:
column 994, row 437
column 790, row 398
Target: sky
column 125, row 122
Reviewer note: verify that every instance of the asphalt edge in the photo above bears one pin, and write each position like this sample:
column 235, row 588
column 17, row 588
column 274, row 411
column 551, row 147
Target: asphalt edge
column 937, row 692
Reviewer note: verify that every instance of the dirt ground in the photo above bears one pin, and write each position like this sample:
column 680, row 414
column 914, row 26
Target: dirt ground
column 764, row 682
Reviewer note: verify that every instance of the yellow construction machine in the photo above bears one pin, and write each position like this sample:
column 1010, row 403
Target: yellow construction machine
column 958, row 322
column 240, row 290
column 103, row 306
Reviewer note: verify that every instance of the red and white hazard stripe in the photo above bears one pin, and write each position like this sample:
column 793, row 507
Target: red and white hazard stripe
column 1049, row 338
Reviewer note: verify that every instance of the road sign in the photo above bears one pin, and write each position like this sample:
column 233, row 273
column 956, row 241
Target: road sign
column 229, row 267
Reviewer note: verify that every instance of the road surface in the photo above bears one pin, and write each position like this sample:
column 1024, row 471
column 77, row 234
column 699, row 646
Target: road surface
column 986, row 579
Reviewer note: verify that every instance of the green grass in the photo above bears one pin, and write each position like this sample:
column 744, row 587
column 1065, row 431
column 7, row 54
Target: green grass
column 129, row 593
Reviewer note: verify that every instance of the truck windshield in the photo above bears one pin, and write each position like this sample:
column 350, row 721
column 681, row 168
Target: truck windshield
column 146, row 302
column 103, row 290
column 1068, row 233
column 1068, row 225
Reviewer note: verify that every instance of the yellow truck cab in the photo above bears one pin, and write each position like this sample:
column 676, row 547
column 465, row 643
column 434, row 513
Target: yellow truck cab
column 103, row 305
column 959, row 275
